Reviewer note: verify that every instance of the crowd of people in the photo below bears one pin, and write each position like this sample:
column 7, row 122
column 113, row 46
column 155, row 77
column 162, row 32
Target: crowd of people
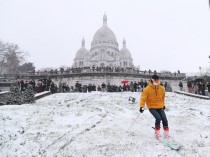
column 199, row 87
column 42, row 85
column 132, row 86
column 96, row 69
column 46, row 84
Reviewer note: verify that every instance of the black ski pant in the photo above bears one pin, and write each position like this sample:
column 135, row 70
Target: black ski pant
column 159, row 115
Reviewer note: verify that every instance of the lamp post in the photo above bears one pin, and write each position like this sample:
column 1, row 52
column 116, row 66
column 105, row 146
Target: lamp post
column 209, row 58
column 200, row 70
column 208, row 69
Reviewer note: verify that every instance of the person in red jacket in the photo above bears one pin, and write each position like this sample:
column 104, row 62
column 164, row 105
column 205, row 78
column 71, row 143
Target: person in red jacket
column 154, row 97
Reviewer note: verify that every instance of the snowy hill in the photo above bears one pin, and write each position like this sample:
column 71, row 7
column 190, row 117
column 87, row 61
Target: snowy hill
column 96, row 125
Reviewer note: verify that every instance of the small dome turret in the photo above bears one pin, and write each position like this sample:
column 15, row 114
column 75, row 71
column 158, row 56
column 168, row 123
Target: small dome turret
column 82, row 52
column 124, row 52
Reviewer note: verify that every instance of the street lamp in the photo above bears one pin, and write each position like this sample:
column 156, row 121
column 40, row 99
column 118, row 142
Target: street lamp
column 209, row 57
column 200, row 70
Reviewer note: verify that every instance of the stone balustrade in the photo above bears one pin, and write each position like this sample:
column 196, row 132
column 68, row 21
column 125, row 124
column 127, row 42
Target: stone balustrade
column 92, row 71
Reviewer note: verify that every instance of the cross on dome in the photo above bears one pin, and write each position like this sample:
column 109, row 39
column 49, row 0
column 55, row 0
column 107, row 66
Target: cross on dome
column 105, row 19
column 83, row 42
column 124, row 43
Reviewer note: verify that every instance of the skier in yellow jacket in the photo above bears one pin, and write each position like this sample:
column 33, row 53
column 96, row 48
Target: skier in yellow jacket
column 154, row 97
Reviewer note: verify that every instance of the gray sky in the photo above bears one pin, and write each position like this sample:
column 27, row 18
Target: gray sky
column 160, row 34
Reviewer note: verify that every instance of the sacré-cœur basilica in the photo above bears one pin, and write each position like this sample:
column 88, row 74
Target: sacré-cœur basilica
column 104, row 62
column 104, row 51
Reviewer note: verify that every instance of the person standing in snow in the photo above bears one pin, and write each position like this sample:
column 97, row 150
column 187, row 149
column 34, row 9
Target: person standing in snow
column 180, row 85
column 208, row 87
column 154, row 97
column 103, row 87
column 132, row 86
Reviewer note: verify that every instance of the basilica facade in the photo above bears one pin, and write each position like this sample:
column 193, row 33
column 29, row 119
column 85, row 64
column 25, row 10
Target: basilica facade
column 104, row 51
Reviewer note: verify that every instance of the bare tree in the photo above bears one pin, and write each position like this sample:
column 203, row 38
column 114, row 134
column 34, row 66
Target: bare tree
column 2, row 51
column 27, row 67
column 2, row 57
column 14, row 57
column 11, row 57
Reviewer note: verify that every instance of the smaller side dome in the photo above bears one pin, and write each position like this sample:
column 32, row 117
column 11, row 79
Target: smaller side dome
column 82, row 52
column 124, row 52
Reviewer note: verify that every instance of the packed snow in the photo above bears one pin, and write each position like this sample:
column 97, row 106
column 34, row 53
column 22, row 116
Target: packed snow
column 102, row 125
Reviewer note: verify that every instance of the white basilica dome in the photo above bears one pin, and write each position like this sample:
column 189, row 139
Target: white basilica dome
column 124, row 52
column 82, row 52
column 104, row 33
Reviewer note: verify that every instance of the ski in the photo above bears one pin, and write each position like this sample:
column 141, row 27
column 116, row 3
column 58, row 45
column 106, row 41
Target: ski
column 171, row 144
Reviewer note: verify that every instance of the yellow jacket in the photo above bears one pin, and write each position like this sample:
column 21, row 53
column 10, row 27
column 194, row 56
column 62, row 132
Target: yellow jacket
column 153, row 96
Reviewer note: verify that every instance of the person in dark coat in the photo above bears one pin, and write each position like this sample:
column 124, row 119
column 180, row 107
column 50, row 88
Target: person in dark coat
column 103, row 86
column 165, row 85
column 180, row 85
column 208, row 86
column 135, row 86
column 89, row 87
column 190, row 87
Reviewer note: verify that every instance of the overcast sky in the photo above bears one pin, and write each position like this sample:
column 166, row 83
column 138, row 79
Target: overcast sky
column 160, row 34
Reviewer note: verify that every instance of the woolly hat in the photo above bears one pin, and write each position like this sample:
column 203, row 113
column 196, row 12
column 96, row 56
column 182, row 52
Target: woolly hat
column 155, row 77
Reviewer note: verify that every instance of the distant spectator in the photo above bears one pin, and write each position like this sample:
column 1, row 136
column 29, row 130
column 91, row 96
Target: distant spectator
column 84, row 88
column 78, row 87
column 94, row 87
column 165, row 85
column 52, row 88
column 145, row 83
column 22, row 86
column 89, row 87
column 155, row 72
column 103, row 85
column 128, row 87
column 190, row 87
column 124, row 87
column 132, row 86
column 203, row 88
column 150, row 71
column 139, row 87
column 200, row 88
column 195, row 86
column 180, row 85
column 135, row 86
column 208, row 87
column 99, row 88
column 142, row 84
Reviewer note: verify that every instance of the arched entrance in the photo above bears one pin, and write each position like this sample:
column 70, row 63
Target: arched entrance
column 102, row 64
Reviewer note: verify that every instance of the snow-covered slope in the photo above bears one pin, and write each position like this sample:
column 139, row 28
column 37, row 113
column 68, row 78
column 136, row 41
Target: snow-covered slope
column 97, row 124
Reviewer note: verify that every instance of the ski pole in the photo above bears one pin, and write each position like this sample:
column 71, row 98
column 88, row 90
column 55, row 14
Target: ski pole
column 134, row 122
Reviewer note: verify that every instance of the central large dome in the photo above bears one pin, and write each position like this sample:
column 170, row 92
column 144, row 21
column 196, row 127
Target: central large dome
column 104, row 33
column 104, row 51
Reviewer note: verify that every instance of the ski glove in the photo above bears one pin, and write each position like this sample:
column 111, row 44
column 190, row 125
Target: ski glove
column 141, row 110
